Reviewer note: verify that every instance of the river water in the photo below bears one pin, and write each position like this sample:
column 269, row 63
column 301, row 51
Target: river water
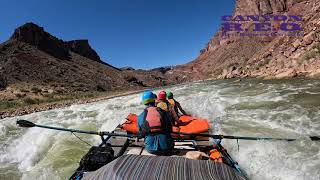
column 273, row 108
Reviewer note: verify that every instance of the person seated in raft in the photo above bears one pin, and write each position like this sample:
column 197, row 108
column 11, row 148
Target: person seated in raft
column 166, row 106
column 176, row 105
column 155, row 126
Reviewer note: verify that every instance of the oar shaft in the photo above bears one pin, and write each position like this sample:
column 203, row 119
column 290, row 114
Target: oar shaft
column 257, row 138
column 86, row 132
column 202, row 135
column 119, row 135
column 313, row 138
column 68, row 130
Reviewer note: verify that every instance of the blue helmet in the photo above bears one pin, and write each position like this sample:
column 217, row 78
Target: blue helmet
column 147, row 97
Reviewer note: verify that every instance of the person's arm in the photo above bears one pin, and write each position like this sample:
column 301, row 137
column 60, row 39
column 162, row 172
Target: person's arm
column 180, row 108
column 141, row 117
column 166, row 120
column 174, row 115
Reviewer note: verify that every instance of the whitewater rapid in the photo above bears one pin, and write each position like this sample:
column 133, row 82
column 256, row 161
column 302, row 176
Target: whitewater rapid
column 282, row 108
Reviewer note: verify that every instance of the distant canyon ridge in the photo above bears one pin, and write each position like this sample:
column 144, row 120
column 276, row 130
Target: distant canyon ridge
column 36, row 64
column 34, row 61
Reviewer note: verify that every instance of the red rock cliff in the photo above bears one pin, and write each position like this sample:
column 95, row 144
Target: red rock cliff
column 272, row 57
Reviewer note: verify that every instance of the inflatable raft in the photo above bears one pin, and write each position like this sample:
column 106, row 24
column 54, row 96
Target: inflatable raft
column 187, row 124
column 122, row 159
column 123, row 156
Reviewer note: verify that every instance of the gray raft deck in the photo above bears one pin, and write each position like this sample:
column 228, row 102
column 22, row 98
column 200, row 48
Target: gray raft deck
column 143, row 167
column 138, row 164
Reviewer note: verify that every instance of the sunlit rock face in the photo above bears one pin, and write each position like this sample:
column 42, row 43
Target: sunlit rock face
column 265, row 56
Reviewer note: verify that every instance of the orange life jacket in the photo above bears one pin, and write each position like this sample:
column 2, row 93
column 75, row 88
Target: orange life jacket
column 153, row 118
column 216, row 156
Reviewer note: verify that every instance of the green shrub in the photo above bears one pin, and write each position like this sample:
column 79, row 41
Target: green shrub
column 100, row 88
column 24, row 90
column 20, row 95
column 31, row 101
column 59, row 91
column 3, row 82
column 316, row 46
column 48, row 96
column 35, row 90
column 311, row 54
column 8, row 104
column 50, row 99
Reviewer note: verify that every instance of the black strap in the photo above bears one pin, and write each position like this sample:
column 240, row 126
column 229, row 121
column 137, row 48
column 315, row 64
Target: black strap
column 141, row 150
column 145, row 114
column 144, row 129
column 165, row 126
column 156, row 127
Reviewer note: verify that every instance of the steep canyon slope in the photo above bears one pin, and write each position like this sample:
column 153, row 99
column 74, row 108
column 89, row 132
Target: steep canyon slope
column 267, row 57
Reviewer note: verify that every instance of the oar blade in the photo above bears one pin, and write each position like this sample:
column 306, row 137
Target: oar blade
column 25, row 123
column 315, row 138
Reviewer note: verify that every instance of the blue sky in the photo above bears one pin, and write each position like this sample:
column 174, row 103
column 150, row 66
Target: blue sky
column 137, row 33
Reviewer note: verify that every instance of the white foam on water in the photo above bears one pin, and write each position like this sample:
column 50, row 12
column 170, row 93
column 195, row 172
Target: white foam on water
column 268, row 160
column 277, row 160
column 30, row 148
column 26, row 150
column 3, row 130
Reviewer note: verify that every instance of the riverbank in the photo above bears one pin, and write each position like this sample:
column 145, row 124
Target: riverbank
column 64, row 102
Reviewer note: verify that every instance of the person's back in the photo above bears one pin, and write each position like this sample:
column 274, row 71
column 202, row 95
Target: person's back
column 154, row 125
column 166, row 106
column 175, row 104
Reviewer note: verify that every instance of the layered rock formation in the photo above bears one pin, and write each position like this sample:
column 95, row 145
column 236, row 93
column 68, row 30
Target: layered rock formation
column 34, row 62
column 36, row 36
column 269, row 57
column 83, row 48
